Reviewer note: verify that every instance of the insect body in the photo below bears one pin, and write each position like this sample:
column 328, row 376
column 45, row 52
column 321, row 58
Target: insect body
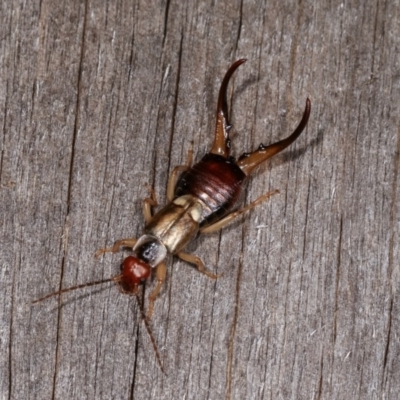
column 201, row 201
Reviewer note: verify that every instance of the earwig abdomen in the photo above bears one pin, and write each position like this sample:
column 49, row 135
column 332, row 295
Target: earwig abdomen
column 215, row 180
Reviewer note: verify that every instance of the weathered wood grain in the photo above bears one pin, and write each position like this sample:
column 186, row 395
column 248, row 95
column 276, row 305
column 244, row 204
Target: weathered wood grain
column 99, row 98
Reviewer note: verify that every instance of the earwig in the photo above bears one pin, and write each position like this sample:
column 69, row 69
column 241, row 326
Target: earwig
column 201, row 199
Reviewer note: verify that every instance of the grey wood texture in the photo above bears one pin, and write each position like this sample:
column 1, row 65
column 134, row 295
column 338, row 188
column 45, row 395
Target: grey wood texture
column 100, row 98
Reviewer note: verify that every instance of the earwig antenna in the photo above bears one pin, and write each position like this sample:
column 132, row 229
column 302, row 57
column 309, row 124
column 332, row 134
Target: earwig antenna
column 116, row 278
column 113, row 279
column 150, row 332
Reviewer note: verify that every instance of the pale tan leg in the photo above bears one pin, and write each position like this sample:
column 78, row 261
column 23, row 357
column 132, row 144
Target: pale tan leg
column 149, row 202
column 230, row 217
column 175, row 174
column 161, row 273
column 117, row 245
column 192, row 259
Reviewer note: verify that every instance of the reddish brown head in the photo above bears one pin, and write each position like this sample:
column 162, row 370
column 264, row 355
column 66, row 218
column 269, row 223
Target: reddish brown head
column 134, row 272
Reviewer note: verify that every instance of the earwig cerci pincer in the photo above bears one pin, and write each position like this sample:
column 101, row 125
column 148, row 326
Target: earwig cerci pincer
column 201, row 200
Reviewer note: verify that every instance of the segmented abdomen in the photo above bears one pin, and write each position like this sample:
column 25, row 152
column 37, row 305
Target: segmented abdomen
column 216, row 181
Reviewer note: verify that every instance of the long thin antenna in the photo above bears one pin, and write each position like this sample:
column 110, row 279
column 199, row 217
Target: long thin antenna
column 116, row 278
column 149, row 331
column 113, row 279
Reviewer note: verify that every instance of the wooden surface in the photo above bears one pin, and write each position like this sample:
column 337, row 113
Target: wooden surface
column 99, row 98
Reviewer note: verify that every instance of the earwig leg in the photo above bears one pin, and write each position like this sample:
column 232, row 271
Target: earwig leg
column 192, row 259
column 230, row 217
column 161, row 273
column 175, row 174
column 248, row 162
column 117, row 245
column 149, row 202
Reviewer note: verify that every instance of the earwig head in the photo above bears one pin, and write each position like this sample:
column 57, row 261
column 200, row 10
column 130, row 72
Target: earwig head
column 134, row 272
